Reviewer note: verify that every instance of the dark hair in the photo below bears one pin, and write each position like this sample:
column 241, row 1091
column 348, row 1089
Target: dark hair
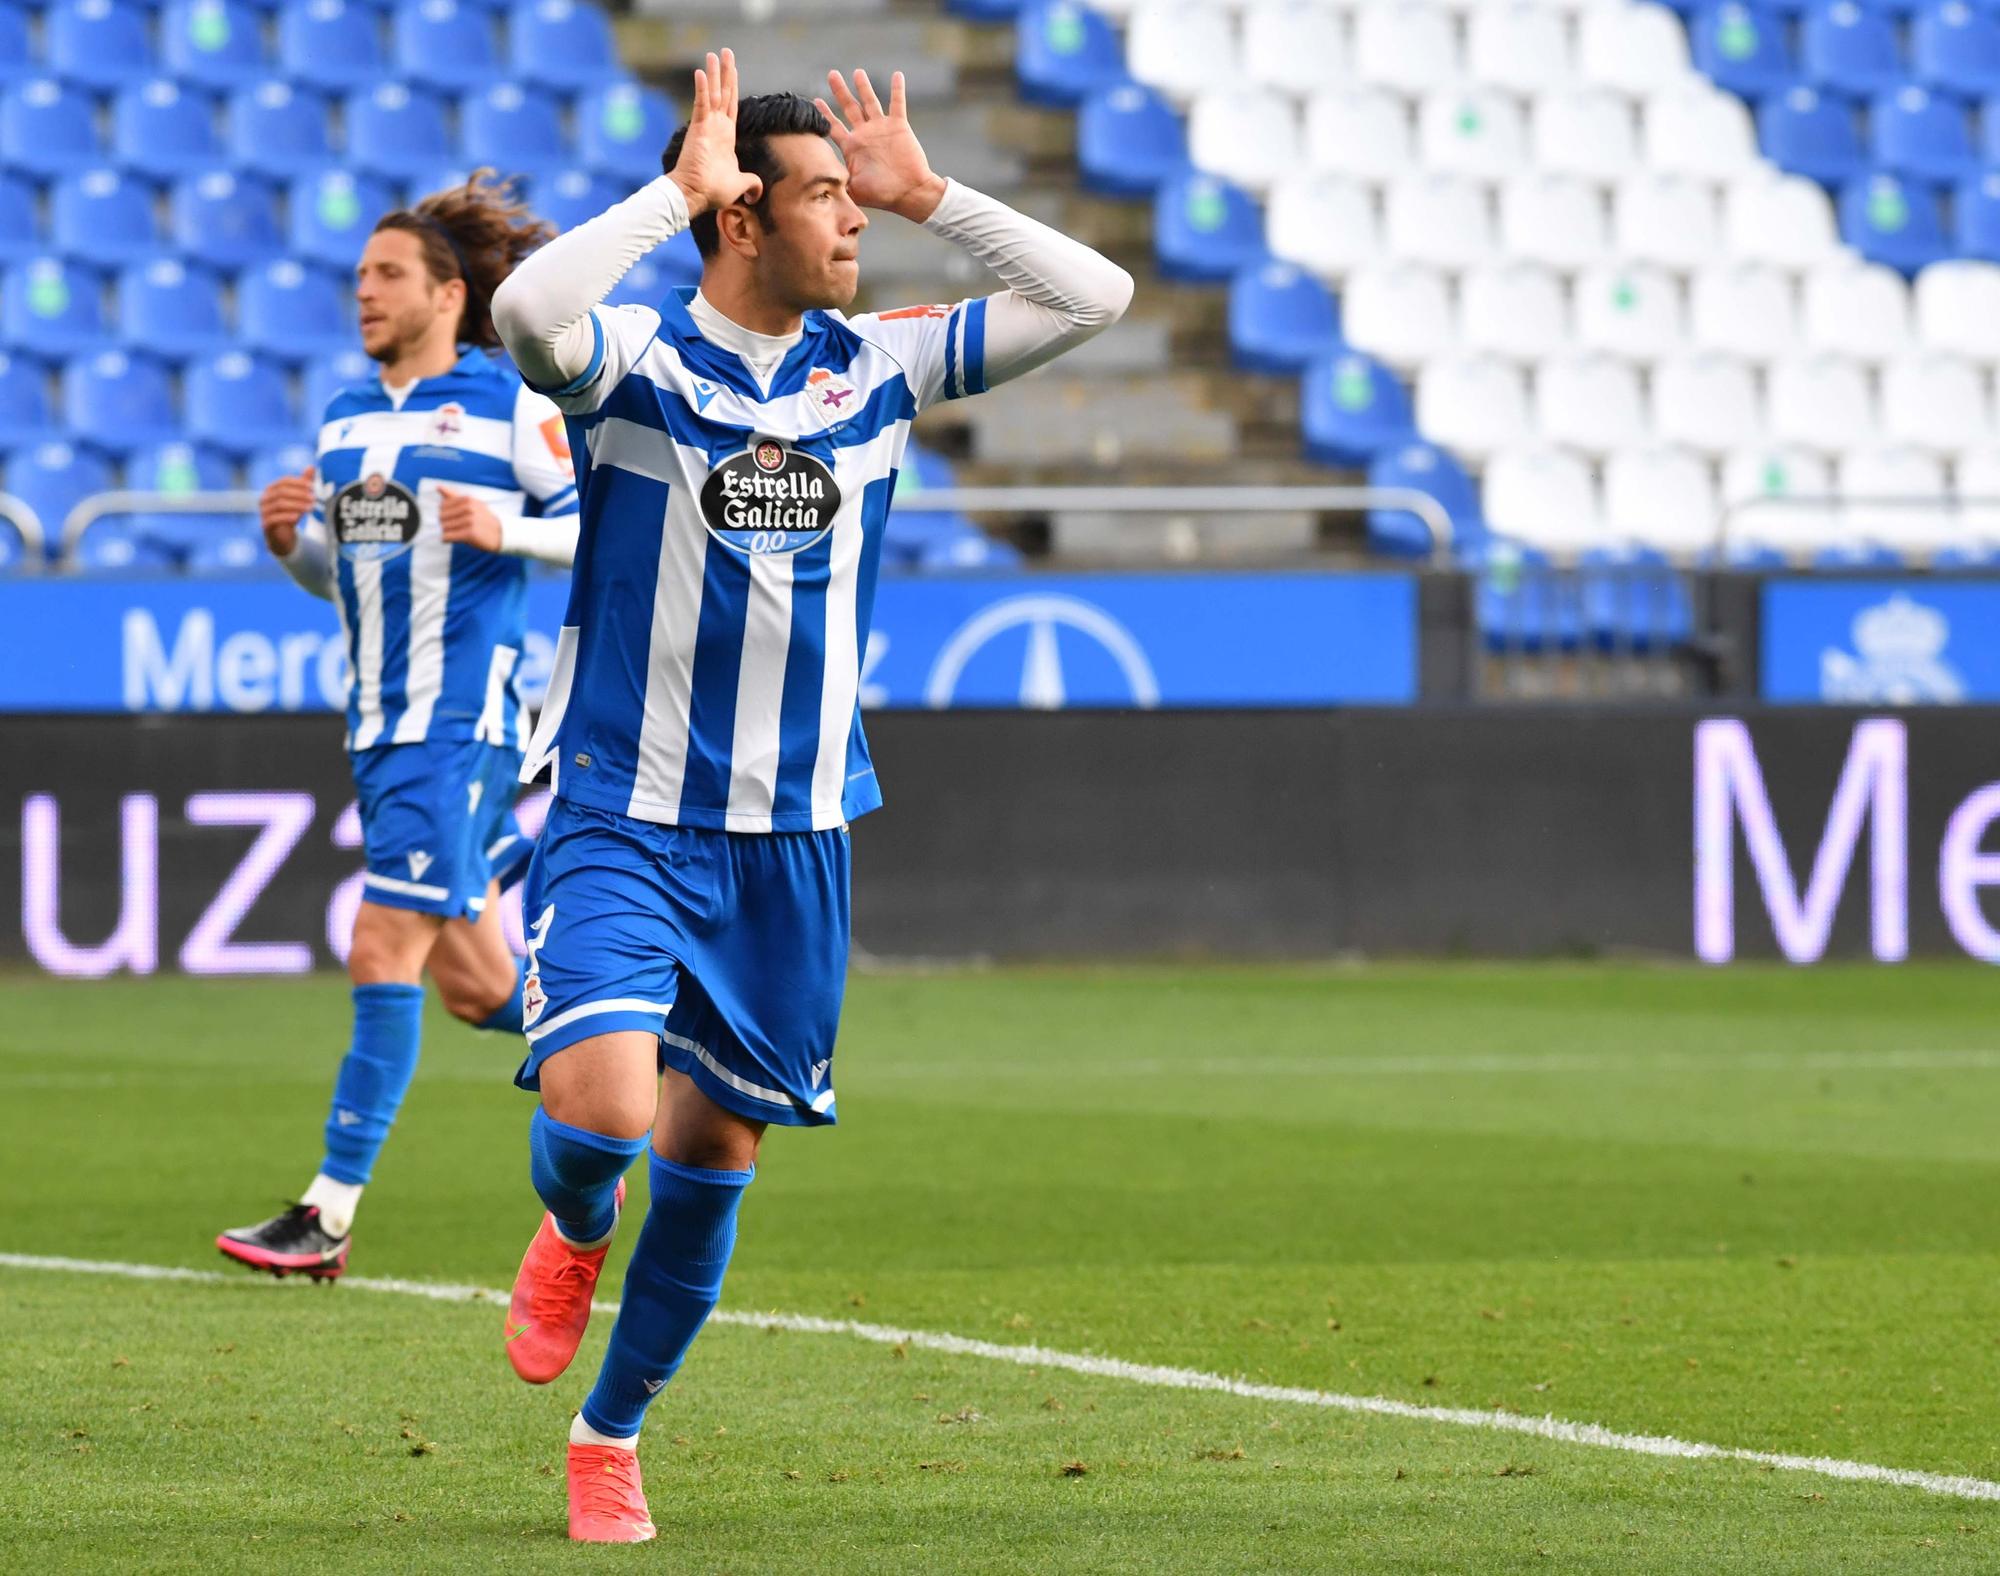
column 758, row 120
column 477, row 232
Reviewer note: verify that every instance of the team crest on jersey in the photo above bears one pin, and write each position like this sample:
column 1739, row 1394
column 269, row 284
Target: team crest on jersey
column 447, row 422
column 833, row 394
column 373, row 518
column 770, row 498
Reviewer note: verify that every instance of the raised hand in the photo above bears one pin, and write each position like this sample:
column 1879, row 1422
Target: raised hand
column 463, row 518
column 886, row 167
column 707, row 172
column 280, row 508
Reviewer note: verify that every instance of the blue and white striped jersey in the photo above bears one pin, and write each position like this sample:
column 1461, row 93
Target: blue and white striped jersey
column 434, row 629
column 710, row 663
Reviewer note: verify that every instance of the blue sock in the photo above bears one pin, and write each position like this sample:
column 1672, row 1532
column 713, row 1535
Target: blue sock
column 388, row 1021
column 576, row 1173
column 507, row 1017
column 670, row 1287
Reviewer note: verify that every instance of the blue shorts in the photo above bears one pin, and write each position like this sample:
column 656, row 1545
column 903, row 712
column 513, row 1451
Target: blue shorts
column 437, row 818
column 730, row 946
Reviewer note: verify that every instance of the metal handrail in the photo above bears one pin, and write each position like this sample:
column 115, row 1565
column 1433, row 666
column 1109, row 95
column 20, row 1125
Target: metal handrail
column 26, row 521
column 94, row 508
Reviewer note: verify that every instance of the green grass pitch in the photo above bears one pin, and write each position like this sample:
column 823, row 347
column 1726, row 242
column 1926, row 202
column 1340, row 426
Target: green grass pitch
column 1755, row 1208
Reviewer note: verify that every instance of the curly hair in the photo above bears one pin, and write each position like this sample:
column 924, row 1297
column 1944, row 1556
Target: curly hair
column 477, row 232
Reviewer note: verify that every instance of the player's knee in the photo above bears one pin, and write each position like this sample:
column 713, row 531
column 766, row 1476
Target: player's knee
column 601, row 1108
column 388, row 949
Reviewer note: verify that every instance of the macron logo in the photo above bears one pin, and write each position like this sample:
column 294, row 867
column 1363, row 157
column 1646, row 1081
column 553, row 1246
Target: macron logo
column 654, row 1386
column 819, row 1071
column 347, row 1118
column 704, row 394
column 419, row 863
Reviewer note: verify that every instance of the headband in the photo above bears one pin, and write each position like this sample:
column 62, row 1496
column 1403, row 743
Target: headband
column 443, row 233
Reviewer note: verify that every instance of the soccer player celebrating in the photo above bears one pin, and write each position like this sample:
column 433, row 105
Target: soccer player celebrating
column 688, row 902
column 426, row 477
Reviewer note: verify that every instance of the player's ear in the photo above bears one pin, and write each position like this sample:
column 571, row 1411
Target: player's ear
column 737, row 229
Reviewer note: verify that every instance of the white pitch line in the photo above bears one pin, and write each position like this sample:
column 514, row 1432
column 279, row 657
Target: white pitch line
column 1551, row 1428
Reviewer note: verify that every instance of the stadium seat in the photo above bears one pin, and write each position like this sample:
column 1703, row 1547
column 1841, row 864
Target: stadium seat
column 226, row 221
column 27, row 416
column 1784, row 220
column 52, row 479
column 1351, row 408
column 1975, row 221
column 1249, row 136
column 1773, row 500
column 1699, row 130
column 665, row 268
column 1976, row 478
column 394, row 131
column 1586, row 132
column 52, row 308
column 1521, row 48
column 1180, row 47
column 566, row 198
column 16, row 553
column 1958, row 309
column 119, row 401
column 213, row 43
column 1855, row 308
column 292, row 312
column 326, row 377
column 1406, row 45
column 515, row 129
column 1630, row 311
column 1293, row 45
column 332, row 216
column 1065, row 51
column 1705, row 402
column 1358, row 131
column 1542, row 498
column 17, row 54
column 1955, row 47
column 1819, row 402
column 103, row 216
column 1473, row 405
column 916, row 536
column 237, row 403
column 1884, row 492
column 1815, row 134
column 1398, row 312
column 1851, row 47
column 282, row 459
column 1128, row 140
column 443, row 44
column 1203, row 228
column 160, row 131
column 1280, row 318
column 170, row 309
column 1589, row 402
column 1893, row 221
column 278, row 130
column 562, row 45
column 1916, row 132
column 1668, row 220
column 49, row 128
column 1744, row 309
column 176, row 467
column 1476, row 131
column 1661, row 498
column 1742, row 48
column 1552, row 219
column 1442, row 220
column 1423, row 467
column 1633, row 601
column 622, row 129
column 1521, row 603
column 21, row 234
column 101, row 44
column 331, row 45
column 1514, row 310
column 1936, row 402
column 1635, row 49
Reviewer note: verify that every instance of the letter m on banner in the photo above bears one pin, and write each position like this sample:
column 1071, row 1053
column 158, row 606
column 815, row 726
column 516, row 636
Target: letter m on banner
column 1729, row 787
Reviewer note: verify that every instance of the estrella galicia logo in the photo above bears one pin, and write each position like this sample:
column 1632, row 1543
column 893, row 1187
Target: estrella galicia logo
column 1043, row 682
column 374, row 518
column 770, row 498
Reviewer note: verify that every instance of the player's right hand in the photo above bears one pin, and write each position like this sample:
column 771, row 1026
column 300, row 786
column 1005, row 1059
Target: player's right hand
column 707, row 172
column 283, row 504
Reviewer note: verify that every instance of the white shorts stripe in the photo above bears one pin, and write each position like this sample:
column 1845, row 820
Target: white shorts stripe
column 592, row 1009
column 741, row 1085
column 435, row 894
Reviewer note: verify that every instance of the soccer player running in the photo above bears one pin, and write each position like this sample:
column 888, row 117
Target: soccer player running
column 433, row 483
column 688, row 903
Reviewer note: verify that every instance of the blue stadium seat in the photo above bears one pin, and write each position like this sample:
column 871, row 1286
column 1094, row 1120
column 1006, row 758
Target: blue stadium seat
column 283, row 459
column 1923, row 134
column 560, row 44
column 914, row 531
column 331, row 44
column 568, row 197
column 1742, row 48
column 227, row 220
column 1966, row 555
column 1423, row 467
column 515, row 129
column 118, row 401
column 292, row 312
column 1956, row 47
column 52, row 308
column 1975, row 217
column 103, row 216
column 1858, row 556
column 665, row 268
column 984, row 10
column 1064, row 51
column 1280, row 318
column 52, row 479
column 1851, row 47
column 15, row 554
column 444, row 44
column 27, row 417
column 171, row 309
column 178, row 467
column 216, row 43
column 235, row 546
column 1522, row 604
column 277, row 129
column 1128, row 140
column 1352, row 407
column 238, row 403
column 395, row 131
column 98, row 43
column 49, row 127
column 161, row 130
column 20, row 229
column 622, row 130
column 1807, row 132
column 1204, row 228
column 333, row 214
column 17, row 58
column 443, row 176
column 1893, row 221
column 1634, row 601
column 325, row 378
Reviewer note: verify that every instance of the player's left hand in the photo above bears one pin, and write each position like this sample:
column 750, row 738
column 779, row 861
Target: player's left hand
column 465, row 519
column 886, row 167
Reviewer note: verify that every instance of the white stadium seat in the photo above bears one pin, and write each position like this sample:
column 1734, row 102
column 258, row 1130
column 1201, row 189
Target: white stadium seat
column 1958, row 308
column 1633, row 48
column 1397, row 312
column 1629, row 311
column 1697, row 129
column 1407, row 46
column 1936, row 402
column 1820, row 402
column 1666, row 219
column 1660, row 497
column 1588, row 402
column 1585, row 131
column 1358, row 131
column 1513, row 310
column 1544, row 498
column 1783, row 219
column 1246, row 135
column 1438, row 219
column 1472, row 131
column 1180, row 46
column 1977, row 479
column 1706, row 402
column 1777, row 472
column 1744, row 309
column 1324, row 223
column 1293, row 44
column 1884, row 493
column 1858, row 309
column 1523, row 48
column 1473, row 405
column 1553, row 219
